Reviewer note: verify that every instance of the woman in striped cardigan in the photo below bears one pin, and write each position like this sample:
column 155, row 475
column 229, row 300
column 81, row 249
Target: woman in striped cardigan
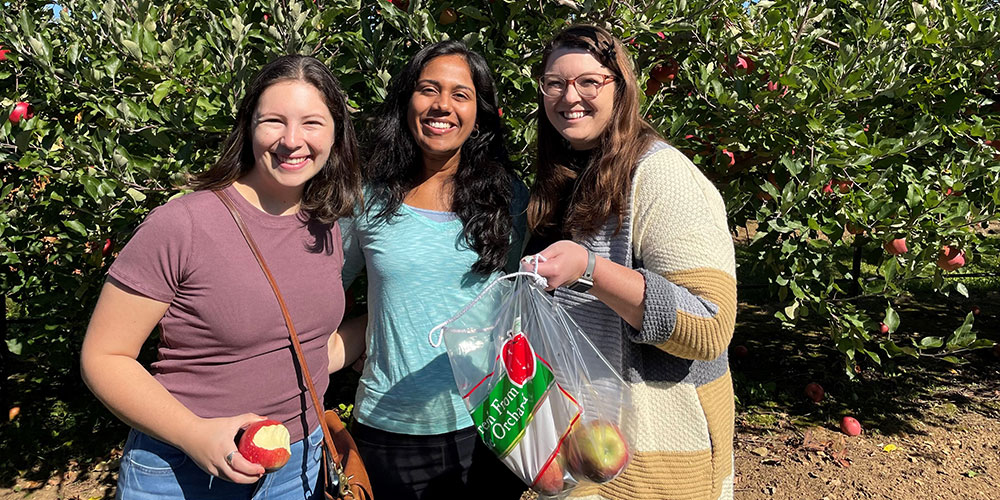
column 638, row 250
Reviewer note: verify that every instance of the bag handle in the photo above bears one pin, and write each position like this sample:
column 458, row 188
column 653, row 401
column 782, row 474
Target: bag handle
column 327, row 439
column 538, row 280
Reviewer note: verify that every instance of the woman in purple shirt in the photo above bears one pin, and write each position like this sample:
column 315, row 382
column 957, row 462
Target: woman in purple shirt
column 224, row 357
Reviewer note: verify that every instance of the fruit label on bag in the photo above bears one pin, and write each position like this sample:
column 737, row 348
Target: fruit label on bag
column 526, row 414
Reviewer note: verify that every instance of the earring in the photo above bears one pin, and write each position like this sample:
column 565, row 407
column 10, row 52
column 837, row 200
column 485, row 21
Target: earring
column 475, row 133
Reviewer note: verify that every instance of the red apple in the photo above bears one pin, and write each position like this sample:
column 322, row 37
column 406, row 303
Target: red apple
column 108, row 247
column 740, row 351
column 550, row 480
column 3, row 53
column 845, row 186
column 951, row 258
column 814, row 392
column 896, row 246
column 745, row 63
column 665, row 71
column 732, row 157
column 652, row 87
column 597, row 450
column 448, row 16
column 975, row 310
column 13, row 413
column 883, row 328
column 828, row 188
column 500, row 112
column 850, row 426
column 266, row 443
column 22, row 110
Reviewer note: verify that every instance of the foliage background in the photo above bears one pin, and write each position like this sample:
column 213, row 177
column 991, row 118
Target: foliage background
column 896, row 100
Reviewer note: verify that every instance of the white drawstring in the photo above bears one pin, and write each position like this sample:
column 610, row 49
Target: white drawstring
column 538, row 279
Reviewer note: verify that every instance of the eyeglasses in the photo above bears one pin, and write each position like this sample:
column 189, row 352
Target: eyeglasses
column 588, row 85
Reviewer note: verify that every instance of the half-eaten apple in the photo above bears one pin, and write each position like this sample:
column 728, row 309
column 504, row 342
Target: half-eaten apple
column 266, row 443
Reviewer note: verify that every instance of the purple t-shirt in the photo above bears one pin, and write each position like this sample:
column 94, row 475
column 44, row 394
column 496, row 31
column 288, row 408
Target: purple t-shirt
column 224, row 348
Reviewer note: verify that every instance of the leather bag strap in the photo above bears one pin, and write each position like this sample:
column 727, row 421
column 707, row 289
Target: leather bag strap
column 327, row 438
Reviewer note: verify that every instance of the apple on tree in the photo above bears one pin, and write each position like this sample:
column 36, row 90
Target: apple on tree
column 652, row 87
column 3, row 53
column 896, row 246
column 666, row 71
column 266, row 443
column 448, row 16
column 21, row 111
column 951, row 258
column 597, row 451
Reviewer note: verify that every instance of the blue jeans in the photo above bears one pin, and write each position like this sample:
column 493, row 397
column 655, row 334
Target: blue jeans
column 154, row 470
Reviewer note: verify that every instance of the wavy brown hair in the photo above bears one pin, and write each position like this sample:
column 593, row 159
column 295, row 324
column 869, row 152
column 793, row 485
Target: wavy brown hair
column 604, row 185
column 334, row 190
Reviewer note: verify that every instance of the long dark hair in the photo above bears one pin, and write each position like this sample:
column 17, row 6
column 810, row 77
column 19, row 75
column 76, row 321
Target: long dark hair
column 604, row 186
column 335, row 190
column 483, row 183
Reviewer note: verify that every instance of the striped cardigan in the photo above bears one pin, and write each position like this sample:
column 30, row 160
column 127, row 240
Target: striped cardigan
column 677, row 365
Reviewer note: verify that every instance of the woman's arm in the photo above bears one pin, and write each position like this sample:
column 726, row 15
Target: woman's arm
column 121, row 323
column 621, row 288
column 347, row 344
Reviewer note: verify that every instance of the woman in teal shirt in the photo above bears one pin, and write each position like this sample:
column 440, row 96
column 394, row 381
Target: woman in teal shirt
column 443, row 217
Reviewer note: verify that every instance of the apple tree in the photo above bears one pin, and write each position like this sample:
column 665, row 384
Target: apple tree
column 831, row 128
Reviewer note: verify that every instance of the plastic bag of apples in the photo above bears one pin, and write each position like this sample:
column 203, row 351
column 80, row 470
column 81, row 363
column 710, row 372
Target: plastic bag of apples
column 542, row 397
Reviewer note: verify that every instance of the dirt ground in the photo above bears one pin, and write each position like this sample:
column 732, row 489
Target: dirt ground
column 930, row 430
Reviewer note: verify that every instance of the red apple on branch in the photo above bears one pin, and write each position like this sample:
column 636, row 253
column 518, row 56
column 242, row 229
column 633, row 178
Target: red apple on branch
column 3, row 53
column 951, row 258
column 21, row 111
column 896, row 246
column 652, row 87
column 266, row 443
column 598, row 451
column 108, row 247
column 883, row 328
column 448, row 16
column 665, row 71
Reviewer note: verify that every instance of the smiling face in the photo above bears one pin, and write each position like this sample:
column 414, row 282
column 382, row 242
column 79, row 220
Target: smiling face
column 442, row 110
column 580, row 121
column 293, row 134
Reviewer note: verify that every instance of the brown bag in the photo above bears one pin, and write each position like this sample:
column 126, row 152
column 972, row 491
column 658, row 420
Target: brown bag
column 344, row 474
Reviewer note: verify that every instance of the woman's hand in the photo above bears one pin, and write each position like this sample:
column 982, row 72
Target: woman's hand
column 563, row 263
column 620, row 288
column 210, row 442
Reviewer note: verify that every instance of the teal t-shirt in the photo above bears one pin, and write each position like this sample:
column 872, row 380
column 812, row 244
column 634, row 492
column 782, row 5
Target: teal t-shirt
column 419, row 275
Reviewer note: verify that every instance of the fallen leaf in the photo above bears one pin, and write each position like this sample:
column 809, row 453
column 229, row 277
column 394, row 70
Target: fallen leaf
column 760, row 451
column 889, row 447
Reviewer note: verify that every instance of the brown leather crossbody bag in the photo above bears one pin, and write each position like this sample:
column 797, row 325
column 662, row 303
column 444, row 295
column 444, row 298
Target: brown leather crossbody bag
column 344, row 474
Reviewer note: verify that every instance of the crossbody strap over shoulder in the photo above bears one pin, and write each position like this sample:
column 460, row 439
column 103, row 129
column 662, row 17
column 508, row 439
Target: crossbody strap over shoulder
column 327, row 439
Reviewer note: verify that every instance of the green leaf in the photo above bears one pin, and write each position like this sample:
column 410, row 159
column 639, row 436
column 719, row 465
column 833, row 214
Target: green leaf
column 161, row 90
column 76, row 226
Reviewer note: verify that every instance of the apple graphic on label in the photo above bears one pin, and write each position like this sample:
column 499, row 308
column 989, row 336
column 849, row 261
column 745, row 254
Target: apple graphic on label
column 597, row 451
column 266, row 443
